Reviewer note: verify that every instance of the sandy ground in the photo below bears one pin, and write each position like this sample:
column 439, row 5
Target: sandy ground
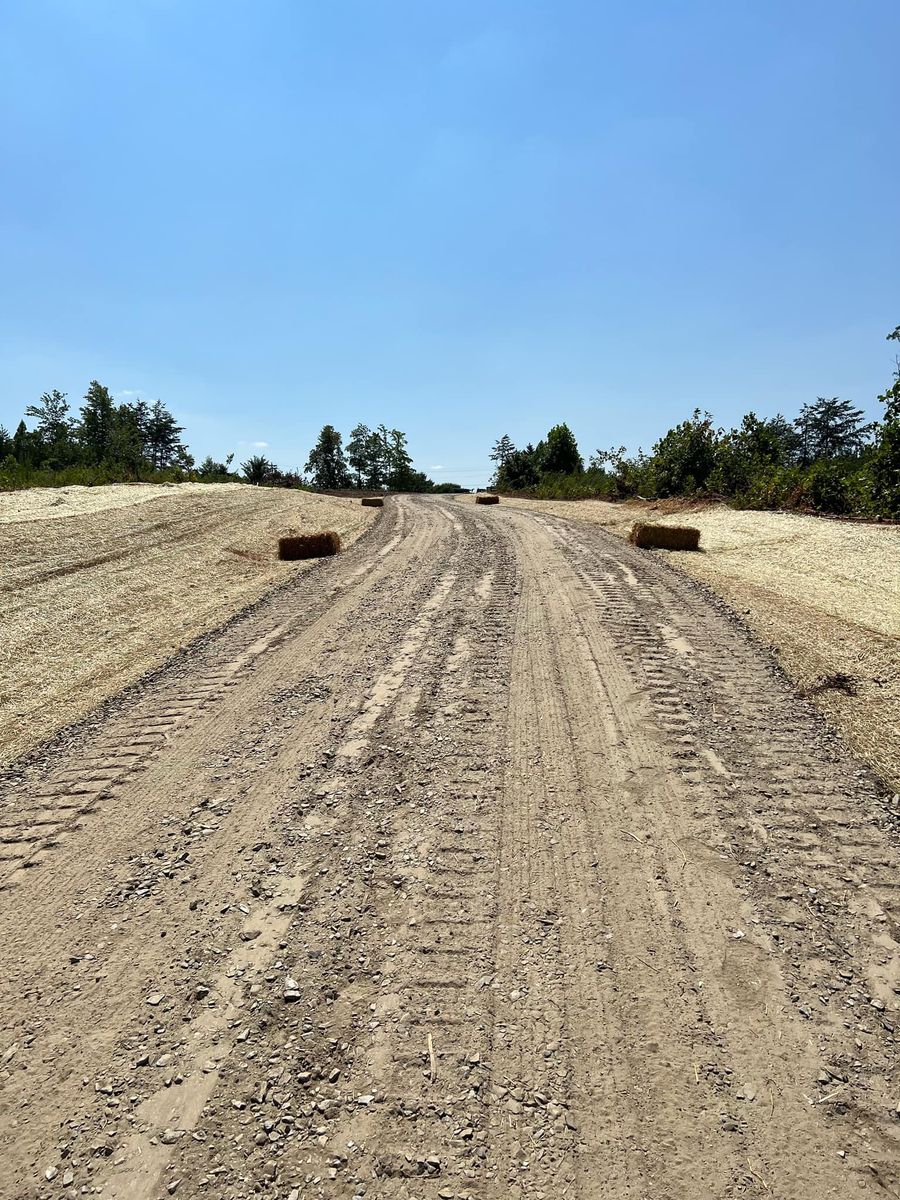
column 100, row 584
column 47, row 504
column 825, row 595
column 491, row 858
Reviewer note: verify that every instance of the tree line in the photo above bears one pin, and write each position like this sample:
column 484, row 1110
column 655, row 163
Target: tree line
column 131, row 436
column 828, row 458
column 373, row 460
column 106, row 442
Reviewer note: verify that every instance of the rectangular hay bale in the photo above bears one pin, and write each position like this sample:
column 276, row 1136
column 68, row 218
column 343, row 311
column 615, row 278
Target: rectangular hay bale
column 308, row 545
column 372, row 502
column 664, row 537
column 486, row 498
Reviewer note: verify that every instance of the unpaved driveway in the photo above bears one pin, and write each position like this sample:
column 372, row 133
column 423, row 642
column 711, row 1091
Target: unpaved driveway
column 824, row 595
column 489, row 858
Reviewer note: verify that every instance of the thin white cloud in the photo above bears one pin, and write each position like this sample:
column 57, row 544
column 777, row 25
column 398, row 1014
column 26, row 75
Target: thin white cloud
column 436, row 468
column 260, row 445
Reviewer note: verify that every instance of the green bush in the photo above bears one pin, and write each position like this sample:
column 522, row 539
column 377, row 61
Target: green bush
column 824, row 488
column 589, row 484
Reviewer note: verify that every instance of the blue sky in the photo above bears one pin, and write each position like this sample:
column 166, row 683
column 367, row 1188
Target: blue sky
column 461, row 218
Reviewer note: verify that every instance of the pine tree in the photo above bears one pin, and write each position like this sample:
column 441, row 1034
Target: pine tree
column 831, row 428
column 163, row 445
column 502, row 450
column 126, row 443
column 26, row 446
column 95, row 429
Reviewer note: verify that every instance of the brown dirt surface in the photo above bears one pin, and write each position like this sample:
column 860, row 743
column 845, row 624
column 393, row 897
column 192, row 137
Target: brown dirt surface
column 823, row 594
column 101, row 584
column 490, row 857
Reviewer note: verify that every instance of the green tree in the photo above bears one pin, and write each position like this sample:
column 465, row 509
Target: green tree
column 789, row 441
column 54, row 427
column 560, row 455
column 520, row 472
column 684, row 458
column 831, row 428
column 163, row 446
column 368, row 455
column 626, row 476
column 503, row 448
column 359, row 453
column 26, row 446
column 6, row 443
column 400, row 474
column 95, row 429
column 326, row 462
column 210, row 469
column 885, row 463
column 743, row 453
column 127, row 440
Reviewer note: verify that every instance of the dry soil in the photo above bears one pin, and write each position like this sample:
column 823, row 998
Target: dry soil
column 489, row 858
column 824, row 595
column 100, row 584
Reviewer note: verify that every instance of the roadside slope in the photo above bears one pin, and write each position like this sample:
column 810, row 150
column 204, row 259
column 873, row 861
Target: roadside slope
column 824, row 595
column 100, row 585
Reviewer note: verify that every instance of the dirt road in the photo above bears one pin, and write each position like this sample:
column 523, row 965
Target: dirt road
column 489, row 858
column 823, row 594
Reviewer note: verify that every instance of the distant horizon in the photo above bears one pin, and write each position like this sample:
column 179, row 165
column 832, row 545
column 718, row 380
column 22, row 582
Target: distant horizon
column 462, row 223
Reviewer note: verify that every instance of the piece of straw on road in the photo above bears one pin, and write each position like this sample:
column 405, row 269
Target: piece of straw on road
column 372, row 502
column 308, row 545
column 486, row 498
column 664, row 537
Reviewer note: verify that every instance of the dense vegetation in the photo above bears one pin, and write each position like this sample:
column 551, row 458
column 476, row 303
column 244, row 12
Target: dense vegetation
column 108, row 442
column 373, row 460
column 105, row 442
column 827, row 459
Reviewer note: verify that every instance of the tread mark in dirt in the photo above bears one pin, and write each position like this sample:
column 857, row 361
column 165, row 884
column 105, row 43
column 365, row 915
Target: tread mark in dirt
column 569, row 919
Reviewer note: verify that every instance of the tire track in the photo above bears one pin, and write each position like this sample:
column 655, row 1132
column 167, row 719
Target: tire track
column 490, row 858
column 738, row 733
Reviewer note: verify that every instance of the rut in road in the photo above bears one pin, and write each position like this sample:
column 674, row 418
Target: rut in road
column 490, row 856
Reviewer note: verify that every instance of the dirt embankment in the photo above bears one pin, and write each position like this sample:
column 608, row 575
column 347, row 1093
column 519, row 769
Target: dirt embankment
column 101, row 584
column 824, row 595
